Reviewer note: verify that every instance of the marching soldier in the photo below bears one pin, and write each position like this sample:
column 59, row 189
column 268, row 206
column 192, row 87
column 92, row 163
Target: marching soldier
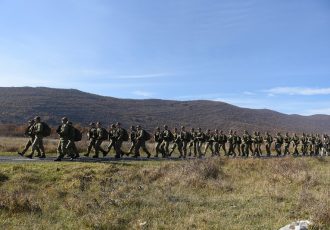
column 29, row 133
column 186, row 137
column 101, row 135
column 304, row 144
column 278, row 144
column 231, row 140
column 200, row 140
column 222, row 142
column 167, row 138
column 177, row 143
column 193, row 142
column 141, row 138
column 158, row 139
column 209, row 142
column 237, row 143
column 132, row 137
column 111, row 137
column 295, row 140
column 287, row 141
column 91, row 135
column 38, row 143
column 268, row 139
column 64, row 132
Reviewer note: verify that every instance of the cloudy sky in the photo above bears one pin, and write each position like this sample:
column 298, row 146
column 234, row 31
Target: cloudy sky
column 251, row 53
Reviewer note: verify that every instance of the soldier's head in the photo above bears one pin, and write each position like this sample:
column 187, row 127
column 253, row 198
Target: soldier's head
column 165, row 127
column 64, row 120
column 278, row 134
column 183, row 128
column 221, row 132
column 138, row 127
column 157, row 128
column 31, row 122
column 287, row 134
column 37, row 119
column 118, row 124
column 199, row 129
column 245, row 132
column 133, row 127
column 113, row 126
column 70, row 123
column 92, row 124
column 98, row 124
column 216, row 131
column 192, row 130
column 175, row 129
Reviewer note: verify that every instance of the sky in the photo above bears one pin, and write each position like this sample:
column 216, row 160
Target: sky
column 250, row 53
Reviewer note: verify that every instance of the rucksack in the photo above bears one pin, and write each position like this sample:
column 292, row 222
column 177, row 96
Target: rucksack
column 77, row 134
column 170, row 136
column 125, row 135
column 46, row 130
column 104, row 134
column 147, row 136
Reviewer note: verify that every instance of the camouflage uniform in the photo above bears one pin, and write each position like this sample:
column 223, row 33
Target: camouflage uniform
column 141, row 142
column 209, row 142
column 287, row 141
column 222, row 142
column 158, row 139
column 304, row 144
column 311, row 144
column 64, row 132
column 246, row 143
column 186, row 137
column 167, row 138
column 295, row 141
column 38, row 143
column 29, row 133
column 268, row 139
column 132, row 137
column 119, row 134
column 91, row 135
column 278, row 144
column 318, row 145
column 112, row 137
column 231, row 140
column 72, row 148
column 101, row 135
column 237, row 143
column 193, row 143
column 177, row 143
column 216, row 138
column 200, row 140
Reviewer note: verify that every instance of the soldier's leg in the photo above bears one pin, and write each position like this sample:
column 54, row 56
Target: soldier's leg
column 157, row 149
column 207, row 145
column 167, row 146
column 130, row 151
column 216, row 148
column 184, row 148
column 180, row 146
column 144, row 148
column 174, row 146
column 97, row 148
column 247, row 150
column 212, row 149
column 27, row 146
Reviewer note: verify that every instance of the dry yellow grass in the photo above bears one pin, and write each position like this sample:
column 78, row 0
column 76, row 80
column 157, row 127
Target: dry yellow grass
column 196, row 194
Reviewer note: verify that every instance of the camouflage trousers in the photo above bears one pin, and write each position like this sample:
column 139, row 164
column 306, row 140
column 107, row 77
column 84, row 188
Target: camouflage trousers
column 37, row 145
column 295, row 151
column 132, row 147
column 98, row 148
column 238, row 147
column 62, row 149
column 141, row 144
column 111, row 145
column 165, row 148
column 231, row 150
column 223, row 147
column 286, row 148
column 245, row 149
column 209, row 145
column 91, row 145
column 117, row 147
column 192, row 148
column 177, row 145
column 268, row 149
column 278, row 148
column 304, row 149
column 199, row 148
column 158, row 149
column 28, row 145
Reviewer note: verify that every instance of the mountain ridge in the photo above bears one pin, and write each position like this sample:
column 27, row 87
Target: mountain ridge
column 22, row 103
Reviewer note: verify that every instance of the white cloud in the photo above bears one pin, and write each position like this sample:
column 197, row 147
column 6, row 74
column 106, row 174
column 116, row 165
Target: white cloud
column 318, row 111
column 142, row 93
column 298, row 91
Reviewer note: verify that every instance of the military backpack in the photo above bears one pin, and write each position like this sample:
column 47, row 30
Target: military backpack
column 46, row 130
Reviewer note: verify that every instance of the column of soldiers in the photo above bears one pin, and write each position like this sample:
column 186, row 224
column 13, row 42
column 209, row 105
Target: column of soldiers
column 194, row 143
column 199, row 143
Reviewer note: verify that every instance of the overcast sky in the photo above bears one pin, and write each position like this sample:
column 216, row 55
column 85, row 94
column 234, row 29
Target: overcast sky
column 271, row 54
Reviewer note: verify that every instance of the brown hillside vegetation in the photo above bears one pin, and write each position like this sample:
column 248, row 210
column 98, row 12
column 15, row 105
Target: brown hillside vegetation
column 20, row 104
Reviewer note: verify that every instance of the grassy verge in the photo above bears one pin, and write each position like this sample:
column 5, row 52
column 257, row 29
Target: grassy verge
column 197, row 194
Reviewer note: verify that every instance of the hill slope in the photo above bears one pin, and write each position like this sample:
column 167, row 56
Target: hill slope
column 20, row 104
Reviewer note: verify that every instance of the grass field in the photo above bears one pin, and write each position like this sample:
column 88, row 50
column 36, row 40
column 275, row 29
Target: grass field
column 196, row 194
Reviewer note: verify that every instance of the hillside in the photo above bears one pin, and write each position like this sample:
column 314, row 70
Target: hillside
column 20, row 104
